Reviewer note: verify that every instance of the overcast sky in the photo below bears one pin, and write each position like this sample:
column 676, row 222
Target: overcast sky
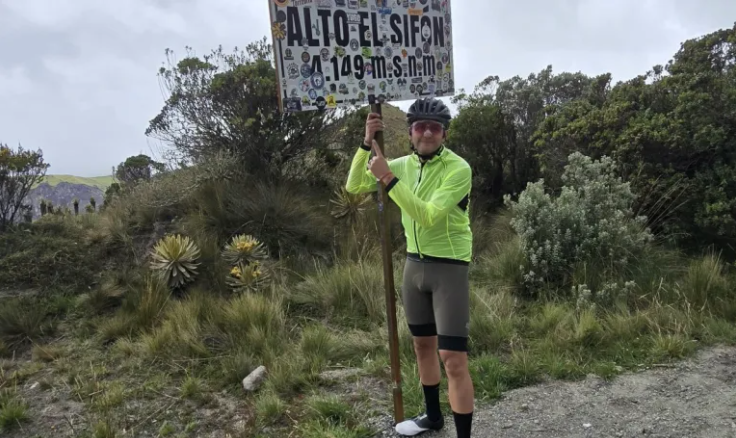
column 78, row 77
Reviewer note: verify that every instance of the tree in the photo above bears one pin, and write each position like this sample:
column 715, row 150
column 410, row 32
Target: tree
column 137, row 168
column 496, row 124
column 485, row 136
column 20, row 170
column 673, row 130
column 112, row 191
column 228, row 102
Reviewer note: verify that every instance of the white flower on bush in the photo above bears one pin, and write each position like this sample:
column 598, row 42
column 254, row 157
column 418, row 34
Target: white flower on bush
column 591, row 219
column 583, row 298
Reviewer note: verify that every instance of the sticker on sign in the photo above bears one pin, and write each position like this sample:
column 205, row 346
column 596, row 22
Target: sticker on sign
column 386, row 44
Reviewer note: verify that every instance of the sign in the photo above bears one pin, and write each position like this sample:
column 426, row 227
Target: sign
column 337, row 53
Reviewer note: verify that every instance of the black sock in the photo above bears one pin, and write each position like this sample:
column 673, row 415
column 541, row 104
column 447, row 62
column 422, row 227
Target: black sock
column 432, row 401
column 462, row 424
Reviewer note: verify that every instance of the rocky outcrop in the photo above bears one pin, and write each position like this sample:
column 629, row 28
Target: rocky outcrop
column 62, row 195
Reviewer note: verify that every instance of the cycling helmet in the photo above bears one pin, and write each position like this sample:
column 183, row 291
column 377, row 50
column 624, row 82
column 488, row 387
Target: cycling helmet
column 429, row 109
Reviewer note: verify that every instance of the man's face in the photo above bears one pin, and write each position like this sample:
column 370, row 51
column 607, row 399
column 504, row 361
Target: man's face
column 427, row 136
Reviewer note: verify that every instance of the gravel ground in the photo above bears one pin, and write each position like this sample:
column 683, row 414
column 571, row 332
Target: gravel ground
column 694, row 398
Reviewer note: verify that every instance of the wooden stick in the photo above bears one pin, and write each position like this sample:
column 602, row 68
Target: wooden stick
column 388, row 276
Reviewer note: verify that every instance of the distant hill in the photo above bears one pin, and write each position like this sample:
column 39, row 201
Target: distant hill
column 61, row 190
column 100, row 182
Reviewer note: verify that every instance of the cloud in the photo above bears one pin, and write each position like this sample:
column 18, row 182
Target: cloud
column 15, row 81
column 78, row 77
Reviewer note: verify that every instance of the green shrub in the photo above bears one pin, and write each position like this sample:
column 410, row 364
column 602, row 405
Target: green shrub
column 705, row 286
column 13, row 412
column 255, row 322
column 591, row 221
column 503, row 268
column 287, row 219
column 269, row 408
column 50, row 255
column 143, row 308
column 23, row 320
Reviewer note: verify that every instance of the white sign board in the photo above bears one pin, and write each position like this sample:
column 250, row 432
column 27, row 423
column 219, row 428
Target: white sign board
column 337, row 53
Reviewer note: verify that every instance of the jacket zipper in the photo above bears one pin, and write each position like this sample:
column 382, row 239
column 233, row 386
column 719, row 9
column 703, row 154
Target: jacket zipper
column 416, row 239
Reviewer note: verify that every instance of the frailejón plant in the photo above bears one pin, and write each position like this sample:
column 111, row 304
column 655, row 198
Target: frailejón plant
column 175, row 258
column 348, row 206
column 244, row 249
column 244, row 277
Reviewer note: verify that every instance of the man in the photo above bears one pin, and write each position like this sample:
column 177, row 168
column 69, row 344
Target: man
column 431, row 186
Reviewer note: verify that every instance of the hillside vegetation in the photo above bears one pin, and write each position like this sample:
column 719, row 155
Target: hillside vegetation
column 603, row 216
column 99, row 182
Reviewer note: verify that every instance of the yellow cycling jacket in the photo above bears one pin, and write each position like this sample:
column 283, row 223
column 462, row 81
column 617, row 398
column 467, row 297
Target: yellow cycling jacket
column 434, row 197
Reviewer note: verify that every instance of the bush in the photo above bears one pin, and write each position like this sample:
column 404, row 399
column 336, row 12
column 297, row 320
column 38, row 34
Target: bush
column 286, row 218
column 50, row 255
column 142, row 309
column 591, row 222
column 23, row 320
column 706, row 286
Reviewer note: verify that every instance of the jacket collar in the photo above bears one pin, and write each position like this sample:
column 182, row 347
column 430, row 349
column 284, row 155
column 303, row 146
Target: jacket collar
column 429, row 158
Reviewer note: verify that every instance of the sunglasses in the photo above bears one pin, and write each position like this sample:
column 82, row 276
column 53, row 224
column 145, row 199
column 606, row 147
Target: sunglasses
column 422, row 127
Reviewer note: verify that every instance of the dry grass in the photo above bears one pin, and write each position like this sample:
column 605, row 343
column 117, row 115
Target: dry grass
column 47, row 353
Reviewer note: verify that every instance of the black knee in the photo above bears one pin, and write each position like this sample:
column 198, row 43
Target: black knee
column 453, row 343
column 423, row 330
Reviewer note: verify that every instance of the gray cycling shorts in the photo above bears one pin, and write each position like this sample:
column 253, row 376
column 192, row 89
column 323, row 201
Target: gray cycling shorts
column 436, row 298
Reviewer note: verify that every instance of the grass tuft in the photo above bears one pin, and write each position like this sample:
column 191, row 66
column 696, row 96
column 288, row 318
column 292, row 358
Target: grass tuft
column 493, row 320
column 104, row 429
column 192, row 388
column 330, row 408
column 331, row 416
column 22, row 320
column 269, row 408
column 142, row 309
column 13, row 411
column 321, row 429
column 706, row 287
column 351, row 294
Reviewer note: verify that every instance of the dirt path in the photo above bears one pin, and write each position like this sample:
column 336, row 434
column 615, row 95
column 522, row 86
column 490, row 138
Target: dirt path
column 694, row 398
